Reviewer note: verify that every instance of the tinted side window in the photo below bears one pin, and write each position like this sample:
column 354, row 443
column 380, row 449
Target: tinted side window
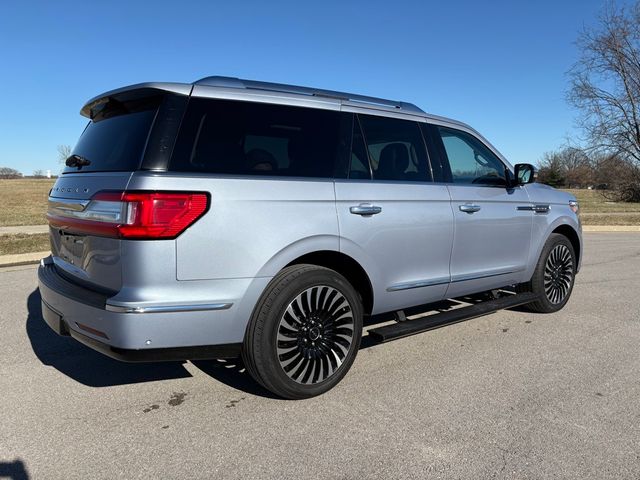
column 470, row 160
column 244, row 138
column 437, row 155
column 359, row 162
column 396, row 149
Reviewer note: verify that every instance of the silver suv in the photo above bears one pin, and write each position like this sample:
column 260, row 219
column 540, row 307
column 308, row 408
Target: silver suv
column 231, row 217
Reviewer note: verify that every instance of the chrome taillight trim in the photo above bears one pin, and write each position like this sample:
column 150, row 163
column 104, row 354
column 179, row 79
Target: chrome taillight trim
column 96, row 210
column 67, row 205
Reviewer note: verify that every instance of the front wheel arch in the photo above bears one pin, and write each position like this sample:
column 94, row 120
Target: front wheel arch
column 544, row 275
column 573, row 237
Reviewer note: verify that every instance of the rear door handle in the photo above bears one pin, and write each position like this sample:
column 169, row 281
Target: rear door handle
column 365, row 209
column 469, row 208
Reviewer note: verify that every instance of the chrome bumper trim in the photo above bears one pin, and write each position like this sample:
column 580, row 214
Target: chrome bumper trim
column 167, row 308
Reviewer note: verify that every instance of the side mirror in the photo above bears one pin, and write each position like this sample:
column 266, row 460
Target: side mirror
column 525, row 173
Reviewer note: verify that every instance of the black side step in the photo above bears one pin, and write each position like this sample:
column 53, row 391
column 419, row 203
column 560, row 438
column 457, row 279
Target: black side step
column 411, row 327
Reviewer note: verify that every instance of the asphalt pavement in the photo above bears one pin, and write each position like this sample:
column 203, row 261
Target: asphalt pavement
column 509, row 395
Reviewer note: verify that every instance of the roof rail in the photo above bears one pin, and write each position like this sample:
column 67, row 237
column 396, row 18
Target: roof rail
column 232, row 82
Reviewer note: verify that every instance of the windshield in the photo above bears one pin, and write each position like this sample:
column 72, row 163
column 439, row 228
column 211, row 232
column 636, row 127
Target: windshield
column 113, row 141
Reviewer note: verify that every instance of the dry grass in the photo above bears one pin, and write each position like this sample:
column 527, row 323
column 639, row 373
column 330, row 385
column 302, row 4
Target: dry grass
column 597, row 210
column 592, row 201
column 21, row 243
column 24, row 201
column 613, row 218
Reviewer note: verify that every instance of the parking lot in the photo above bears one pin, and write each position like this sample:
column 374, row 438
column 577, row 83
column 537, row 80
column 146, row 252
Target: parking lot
column 510, row 395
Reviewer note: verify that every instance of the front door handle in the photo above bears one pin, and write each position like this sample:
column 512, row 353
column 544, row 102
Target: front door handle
column 470, row 208
column 365, row 209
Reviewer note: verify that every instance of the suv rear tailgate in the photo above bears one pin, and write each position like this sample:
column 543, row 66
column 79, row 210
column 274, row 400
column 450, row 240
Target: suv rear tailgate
column 88, row 258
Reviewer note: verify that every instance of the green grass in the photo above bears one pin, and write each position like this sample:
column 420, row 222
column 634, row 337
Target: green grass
column 21, row 243
column 24, row 201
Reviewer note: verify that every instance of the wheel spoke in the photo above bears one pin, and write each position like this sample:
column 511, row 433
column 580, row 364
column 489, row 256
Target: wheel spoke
column 292, row 363
column 331, row 293
column 315, row 334
column 558, row 274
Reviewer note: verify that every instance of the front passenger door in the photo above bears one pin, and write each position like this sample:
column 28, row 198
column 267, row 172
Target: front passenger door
column 492, row 236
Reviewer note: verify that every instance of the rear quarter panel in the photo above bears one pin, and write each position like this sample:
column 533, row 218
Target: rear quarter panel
column 254, row 226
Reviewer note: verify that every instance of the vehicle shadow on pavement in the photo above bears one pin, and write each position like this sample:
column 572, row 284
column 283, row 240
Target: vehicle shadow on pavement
column 83, row 364
column 96, row 370
column 15, row 470
column 232, row 372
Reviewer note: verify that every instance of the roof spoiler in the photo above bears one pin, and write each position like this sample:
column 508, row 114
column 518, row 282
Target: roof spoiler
column 132, row 92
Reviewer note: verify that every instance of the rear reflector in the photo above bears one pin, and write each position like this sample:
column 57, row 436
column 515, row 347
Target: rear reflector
column 133, row 215
column 92, row 331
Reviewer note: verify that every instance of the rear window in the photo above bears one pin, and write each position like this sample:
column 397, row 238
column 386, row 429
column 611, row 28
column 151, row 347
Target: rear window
column 244, row 138
column 115, row 138
column 396, row 149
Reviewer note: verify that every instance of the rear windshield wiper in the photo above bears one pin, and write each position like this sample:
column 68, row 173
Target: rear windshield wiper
column 77, row 161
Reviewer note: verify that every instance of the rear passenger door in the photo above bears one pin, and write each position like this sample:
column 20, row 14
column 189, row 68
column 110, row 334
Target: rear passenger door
column 393, row 219
column 492, row 235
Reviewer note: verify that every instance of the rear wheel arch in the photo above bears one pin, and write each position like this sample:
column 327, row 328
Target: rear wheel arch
column 345, row 266
column 304, row 333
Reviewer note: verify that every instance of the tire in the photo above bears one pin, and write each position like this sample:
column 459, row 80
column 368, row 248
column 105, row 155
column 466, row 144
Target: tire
column 558, row 262
column 304, row 333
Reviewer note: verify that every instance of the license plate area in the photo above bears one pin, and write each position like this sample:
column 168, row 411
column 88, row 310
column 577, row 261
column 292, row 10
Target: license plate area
column 72, row 249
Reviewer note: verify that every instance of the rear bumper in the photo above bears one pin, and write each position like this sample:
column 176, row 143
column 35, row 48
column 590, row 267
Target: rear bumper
column 186, row 332
column 58, row 325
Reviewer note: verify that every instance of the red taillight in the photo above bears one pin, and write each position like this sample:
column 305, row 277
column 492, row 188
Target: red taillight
column 134, row 215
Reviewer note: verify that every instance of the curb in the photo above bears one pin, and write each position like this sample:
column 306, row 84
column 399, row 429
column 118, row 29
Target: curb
column 22, row 259
column 611, row 228
column 24, row 230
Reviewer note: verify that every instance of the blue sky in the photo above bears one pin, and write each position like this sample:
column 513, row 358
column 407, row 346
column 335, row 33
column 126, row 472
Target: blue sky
column 499, row 65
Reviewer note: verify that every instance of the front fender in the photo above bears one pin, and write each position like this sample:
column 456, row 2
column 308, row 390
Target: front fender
column 544, row 226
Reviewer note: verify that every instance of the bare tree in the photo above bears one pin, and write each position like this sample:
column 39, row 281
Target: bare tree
column 568, row 166
column 616, row 178
column 606, row 82
column 549, row 171
column 64, row 151
column 38, row 174
column 605, row 86
column 7, row 172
